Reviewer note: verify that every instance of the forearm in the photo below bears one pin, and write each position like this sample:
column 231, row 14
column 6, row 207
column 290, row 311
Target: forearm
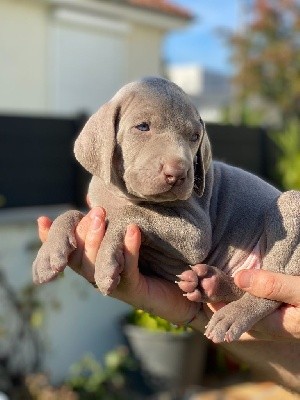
column 269, row 360
column 275, row 361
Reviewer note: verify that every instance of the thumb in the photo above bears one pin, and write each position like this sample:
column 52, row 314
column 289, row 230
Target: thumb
column 270, row 285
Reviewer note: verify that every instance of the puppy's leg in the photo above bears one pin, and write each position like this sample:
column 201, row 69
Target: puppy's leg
column 204, row 283
column 282, row 254
column 282, row 235
column 228, row 323
column 52, row 257
column 110, row 260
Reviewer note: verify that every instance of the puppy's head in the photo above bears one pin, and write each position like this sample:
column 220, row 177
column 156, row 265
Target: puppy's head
column 149, row 141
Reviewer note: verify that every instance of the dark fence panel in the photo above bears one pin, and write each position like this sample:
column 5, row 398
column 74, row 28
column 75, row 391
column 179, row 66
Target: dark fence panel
column 249, row 148
column 37, row 165
column 36, row 162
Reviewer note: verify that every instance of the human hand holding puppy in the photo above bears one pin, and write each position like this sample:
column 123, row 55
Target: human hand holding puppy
column 159, row 296
column 153, row 294
column 284, row 323
column 276, row 358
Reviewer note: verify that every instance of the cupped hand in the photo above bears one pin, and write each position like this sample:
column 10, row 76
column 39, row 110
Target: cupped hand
column 152, row 294
column 89, row 234
column 165, row 299
column 284, row 323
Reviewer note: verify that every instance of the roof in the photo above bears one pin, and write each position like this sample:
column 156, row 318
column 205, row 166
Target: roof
column 163, row 6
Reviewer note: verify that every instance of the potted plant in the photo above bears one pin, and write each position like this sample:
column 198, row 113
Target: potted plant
column 171, row 358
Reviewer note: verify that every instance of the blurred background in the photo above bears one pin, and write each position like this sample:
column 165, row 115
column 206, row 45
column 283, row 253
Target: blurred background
column 59, row 61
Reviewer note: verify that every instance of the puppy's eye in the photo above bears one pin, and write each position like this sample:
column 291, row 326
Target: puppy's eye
column 195, row 137
column 144, row 127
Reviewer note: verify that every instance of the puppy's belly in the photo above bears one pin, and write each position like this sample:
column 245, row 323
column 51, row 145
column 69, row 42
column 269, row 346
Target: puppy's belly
column 238, row 263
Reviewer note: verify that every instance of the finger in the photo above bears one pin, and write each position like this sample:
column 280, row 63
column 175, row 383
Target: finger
column 81, row 232
column 131, row 284
column 283, row 324
column 44, row 224
column 132, row 243
column 92, row 243
column 270, row 285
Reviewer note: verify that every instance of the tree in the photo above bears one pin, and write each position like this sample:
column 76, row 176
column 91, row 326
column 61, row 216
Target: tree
column 266, row 56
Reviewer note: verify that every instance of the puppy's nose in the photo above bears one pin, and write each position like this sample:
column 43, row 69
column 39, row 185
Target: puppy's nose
column 175, row 173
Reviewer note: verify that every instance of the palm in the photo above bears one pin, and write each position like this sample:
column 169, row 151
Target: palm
column 282, row 324
column 155, row 295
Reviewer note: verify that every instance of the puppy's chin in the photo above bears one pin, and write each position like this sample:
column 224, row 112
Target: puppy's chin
column 173, row 194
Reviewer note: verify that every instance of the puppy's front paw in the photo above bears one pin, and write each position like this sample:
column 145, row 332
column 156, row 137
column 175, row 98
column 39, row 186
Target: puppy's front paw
column 203, row 283
column 52, row 258
column 108, row 270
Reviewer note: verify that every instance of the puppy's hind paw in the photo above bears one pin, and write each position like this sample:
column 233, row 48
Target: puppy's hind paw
column 190, row 283
column 224, row 327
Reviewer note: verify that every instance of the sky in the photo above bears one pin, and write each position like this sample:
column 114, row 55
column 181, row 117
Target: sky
column 199, row 43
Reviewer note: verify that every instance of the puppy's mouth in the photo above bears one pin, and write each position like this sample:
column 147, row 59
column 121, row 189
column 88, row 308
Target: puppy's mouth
column 162, row 193
column 159, row 186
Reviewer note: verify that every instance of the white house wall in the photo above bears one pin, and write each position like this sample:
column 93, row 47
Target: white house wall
column 94, row 56
column 58, row 57
column 23, row 56
column 89, row 65
column 144, row 52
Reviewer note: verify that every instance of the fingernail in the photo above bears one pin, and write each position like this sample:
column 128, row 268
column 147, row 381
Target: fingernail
column 96, row 212
column 244, row 279
column 130, row 230
column 96, row 223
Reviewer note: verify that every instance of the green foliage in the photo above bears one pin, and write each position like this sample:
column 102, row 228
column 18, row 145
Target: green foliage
column 244, row 115
column 93, row 381
column 153, row 323
column 266, row 56
column 289, row 163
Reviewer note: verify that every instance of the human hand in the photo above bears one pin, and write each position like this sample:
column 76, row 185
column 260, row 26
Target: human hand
column 159, row 296
column 282, row 324
column 88, row 234
column 152, row 294
column 270, row 285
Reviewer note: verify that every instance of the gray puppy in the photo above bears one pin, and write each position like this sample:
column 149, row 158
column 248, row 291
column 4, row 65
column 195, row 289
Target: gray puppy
column 150, row 157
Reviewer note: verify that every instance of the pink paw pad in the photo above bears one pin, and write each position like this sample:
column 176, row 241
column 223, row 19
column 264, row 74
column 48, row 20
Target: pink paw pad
column 189, row 282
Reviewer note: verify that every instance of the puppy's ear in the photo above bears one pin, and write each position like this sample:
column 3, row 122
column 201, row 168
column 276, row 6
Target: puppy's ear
column 95, row 144
column 203, row 161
